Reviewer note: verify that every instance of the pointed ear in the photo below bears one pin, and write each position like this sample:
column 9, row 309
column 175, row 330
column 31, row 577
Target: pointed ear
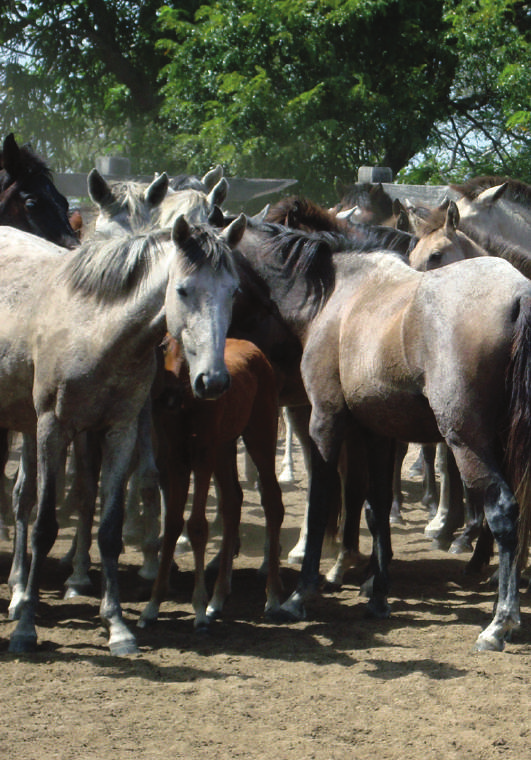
column 212, row 177
column 98, row 189
column 261, row 215
column 217, row 195
column 444, row 204
column 493, row 194
column 397, row 207
column 11, row 156
column 234, row 232
column 402, row 221
column 180, row 231
column 452, row 218
column 156, row 192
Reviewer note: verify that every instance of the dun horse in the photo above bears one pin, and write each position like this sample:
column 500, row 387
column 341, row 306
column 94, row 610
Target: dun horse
column 390, row 353
column 79, row 334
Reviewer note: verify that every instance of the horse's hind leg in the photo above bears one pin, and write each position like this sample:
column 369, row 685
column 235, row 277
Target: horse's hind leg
column 148, row 485
column 501, row 512
column 87, row 461
column 50, row 450
column 4, row 498
column 24, row 499
column 396, row 507
column 286, row 473
column 450, row 512
column 354, row 493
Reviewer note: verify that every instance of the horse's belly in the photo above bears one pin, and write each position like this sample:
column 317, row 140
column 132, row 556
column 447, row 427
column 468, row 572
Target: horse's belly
column 397, row 414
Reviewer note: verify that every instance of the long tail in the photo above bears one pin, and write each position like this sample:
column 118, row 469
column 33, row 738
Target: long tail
column 518, row 451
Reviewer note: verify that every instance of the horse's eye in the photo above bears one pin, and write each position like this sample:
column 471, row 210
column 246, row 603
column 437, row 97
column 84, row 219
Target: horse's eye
column 30, row 203
column 182, row 291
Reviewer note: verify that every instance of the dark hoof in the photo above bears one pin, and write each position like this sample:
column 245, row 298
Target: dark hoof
column 284, row 616
column 461, row 545
column 441, row 544
column 23, row 644
column 202, row 629
column 378, row 610
column 329, row 587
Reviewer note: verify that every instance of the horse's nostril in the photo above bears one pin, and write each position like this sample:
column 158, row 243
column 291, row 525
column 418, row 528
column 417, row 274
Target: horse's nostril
column 211, row 386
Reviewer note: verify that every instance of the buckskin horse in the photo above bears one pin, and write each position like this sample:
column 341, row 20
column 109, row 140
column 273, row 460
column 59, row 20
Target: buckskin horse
column 390, row 353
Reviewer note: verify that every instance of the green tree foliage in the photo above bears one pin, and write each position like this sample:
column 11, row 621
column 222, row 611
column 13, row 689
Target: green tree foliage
column 489, row 129
column 310, row 89
column 79, row 77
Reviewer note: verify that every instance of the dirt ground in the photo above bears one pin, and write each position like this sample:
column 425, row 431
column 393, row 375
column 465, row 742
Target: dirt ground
column 336, row 686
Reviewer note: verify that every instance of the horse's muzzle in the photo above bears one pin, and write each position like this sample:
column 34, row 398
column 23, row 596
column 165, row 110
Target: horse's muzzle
column 211, row 385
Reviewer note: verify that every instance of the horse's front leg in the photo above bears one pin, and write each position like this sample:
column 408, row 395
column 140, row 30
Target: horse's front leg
column 50, row 451
column 24, row 498
column 326, row 434
column 117, row 448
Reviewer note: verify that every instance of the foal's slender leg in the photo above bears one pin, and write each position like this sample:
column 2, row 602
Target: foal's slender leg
column 175, row 483
column 230, row 507
column 117, row 448
column 260, row 439
column 197, row 529
column 50, row 450
column 24, row 499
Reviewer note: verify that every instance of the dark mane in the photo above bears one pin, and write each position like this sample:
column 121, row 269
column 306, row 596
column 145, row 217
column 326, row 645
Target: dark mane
column 517, row 191
column 300, row 213
column 112, row 268
column 29, row 163
column 309, row 255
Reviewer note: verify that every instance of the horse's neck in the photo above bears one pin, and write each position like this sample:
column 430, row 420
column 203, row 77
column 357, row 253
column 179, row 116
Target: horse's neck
column 514, row 223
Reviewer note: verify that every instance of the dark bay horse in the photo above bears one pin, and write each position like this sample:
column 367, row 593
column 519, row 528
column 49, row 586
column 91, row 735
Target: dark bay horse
column 390, row 353
column 28, row 198
column 78, row 334
column 199, row 438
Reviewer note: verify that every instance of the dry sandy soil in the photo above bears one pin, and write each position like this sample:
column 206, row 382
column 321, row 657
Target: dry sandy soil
column 336, row 686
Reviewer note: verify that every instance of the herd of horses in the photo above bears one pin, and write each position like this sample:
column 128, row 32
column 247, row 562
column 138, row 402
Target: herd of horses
column 174, row 328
